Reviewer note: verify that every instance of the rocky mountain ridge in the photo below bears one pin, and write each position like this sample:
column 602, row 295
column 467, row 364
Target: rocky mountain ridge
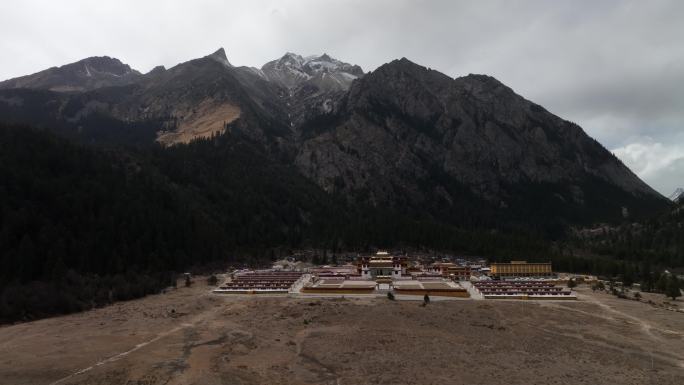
column 311, row 86
column 677, row 195
column 292, row 70
column 84, row 75
column 402, row 136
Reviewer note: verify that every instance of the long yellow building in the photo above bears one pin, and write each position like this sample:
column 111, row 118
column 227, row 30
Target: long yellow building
column 521, row 269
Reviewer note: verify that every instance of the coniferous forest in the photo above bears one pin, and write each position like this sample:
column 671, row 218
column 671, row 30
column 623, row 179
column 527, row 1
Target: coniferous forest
column 83, row 226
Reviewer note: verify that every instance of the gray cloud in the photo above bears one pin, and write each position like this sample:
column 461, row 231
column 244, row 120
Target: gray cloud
column 659, row 164
column 614, row 67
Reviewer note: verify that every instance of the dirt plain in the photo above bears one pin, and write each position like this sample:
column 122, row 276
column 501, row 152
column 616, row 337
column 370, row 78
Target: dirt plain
column 189, row 336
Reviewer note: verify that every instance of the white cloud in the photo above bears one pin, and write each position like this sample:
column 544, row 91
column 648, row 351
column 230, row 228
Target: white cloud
column 659, row 164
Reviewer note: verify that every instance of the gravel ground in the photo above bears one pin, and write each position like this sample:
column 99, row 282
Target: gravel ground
column 190, row 336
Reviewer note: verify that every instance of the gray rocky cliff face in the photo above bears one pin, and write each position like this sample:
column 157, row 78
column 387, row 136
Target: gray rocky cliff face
column 292, row 71
column 404, row 124
column 310, row 86
column 401, row 136
column 677, row 195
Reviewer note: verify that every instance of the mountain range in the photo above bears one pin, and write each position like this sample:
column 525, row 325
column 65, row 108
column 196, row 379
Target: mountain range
column 111, row 180
column 402, row 136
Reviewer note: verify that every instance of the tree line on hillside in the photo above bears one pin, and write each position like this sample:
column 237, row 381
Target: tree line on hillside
column 637, row 249
column 83, row 226
column 664, row 283
column 660, row 241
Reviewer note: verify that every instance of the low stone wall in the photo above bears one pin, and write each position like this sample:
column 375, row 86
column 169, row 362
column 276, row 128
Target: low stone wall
column 434, row 292
column 540, row 297
column 322, row 290
column 219, row 291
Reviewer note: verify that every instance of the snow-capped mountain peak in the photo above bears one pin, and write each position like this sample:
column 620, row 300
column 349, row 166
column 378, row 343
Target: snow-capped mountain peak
column 677, row 195
column 292, row 70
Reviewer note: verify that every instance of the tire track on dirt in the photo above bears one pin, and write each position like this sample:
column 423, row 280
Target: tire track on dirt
column 139, row 346
column 645, row 327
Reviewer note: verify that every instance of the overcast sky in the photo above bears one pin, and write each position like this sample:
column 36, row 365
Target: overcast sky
column 614, row 67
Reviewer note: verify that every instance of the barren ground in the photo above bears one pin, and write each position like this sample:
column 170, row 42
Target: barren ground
column 201, row 121
column 189, row 336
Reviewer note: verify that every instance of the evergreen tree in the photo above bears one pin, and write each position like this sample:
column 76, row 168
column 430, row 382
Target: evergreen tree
column 673, row 287
column 661, row 284
column 647, row 283
column 628, row 277
column 597, row 286
column 212, row 280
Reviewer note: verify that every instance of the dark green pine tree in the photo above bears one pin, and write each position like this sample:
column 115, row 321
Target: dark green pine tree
column 673, row 287
column 661, row 283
